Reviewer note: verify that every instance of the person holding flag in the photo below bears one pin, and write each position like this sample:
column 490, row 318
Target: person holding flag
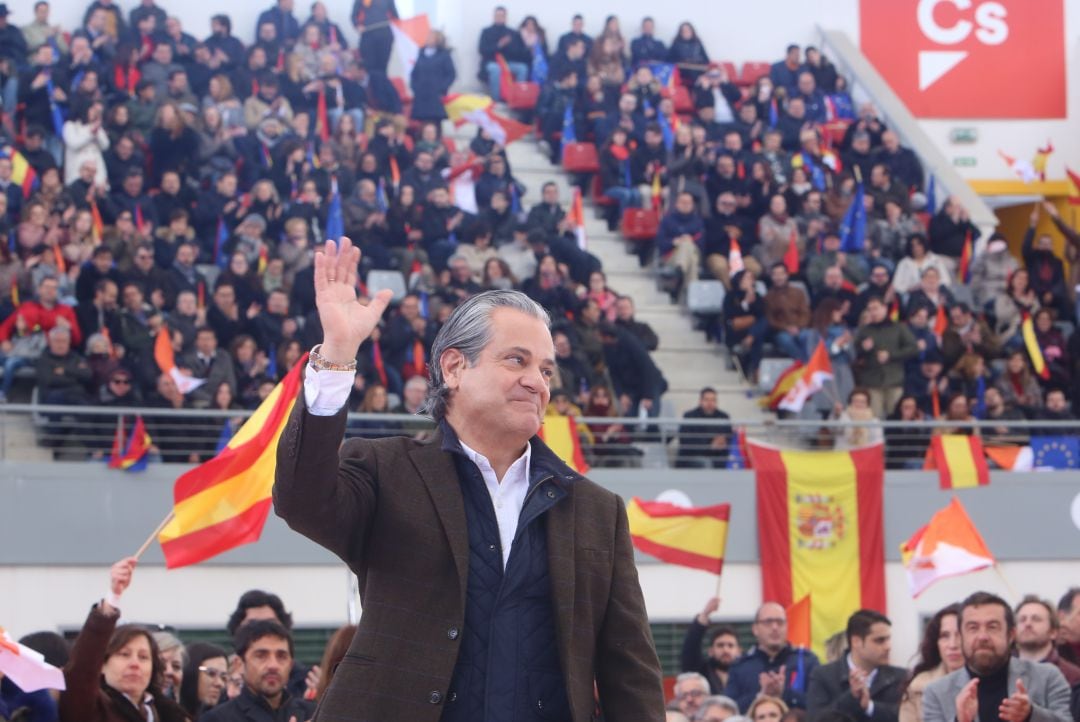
column 471, row 502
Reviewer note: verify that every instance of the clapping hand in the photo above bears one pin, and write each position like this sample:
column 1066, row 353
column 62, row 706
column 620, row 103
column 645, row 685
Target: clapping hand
column 1017, row 706
column 346, row 322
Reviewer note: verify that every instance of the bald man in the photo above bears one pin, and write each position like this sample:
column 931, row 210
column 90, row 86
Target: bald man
column 772, row 666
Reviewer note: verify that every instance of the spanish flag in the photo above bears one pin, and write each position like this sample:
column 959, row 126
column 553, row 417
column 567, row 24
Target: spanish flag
column 820, row 531
column 1031, row 343
column 506, row 78
column 560, row 433
column 784, row 383
column 960, row 461
column 687, row 536
column 1074, row 187
column 224, row 502
column 948, row 546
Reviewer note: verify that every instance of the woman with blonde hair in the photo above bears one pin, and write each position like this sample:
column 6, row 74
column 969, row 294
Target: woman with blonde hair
column 222, row 97
column 767, row 709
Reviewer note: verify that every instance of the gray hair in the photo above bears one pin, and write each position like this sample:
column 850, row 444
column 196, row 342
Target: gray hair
column 167, row 641
column 469, row 331
column 717, row 700
column 690, row 677
column 58, row 331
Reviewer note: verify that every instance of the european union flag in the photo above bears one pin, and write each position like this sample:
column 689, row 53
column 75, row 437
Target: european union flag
column 853, row 226
column 539, row 65
column 665, row 73
column 54, row 108
column 931, row 196
column 665, row 130
column 220, row 258
column 569, row 135
column 1055, row 452
column 380, row 196
column 735, row 458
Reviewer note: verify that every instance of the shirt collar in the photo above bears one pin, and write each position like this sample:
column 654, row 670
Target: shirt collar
column 481, row 461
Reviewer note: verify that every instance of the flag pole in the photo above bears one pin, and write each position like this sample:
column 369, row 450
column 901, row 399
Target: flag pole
column 154, row 534
column 1008, row 584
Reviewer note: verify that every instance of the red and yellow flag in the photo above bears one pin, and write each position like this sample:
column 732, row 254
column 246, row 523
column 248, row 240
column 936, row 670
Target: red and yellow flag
column 1031, row 343
column 687, row 536
column 1074, row 186
column 784, row 383
column 791, row 256
column 224, row 502
column 560, row 433
column 960, row 461
column 820, row 531
column 506, row 78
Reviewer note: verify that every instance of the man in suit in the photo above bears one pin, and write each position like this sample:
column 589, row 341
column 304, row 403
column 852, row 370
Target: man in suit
column 496, row 583
column 861, row 685
column 209, row 362
column 994, row 685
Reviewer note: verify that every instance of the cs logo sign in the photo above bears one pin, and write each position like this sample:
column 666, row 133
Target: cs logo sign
column 969, row 58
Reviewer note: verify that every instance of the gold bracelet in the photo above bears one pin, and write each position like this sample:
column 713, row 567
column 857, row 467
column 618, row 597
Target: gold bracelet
column 319, row 362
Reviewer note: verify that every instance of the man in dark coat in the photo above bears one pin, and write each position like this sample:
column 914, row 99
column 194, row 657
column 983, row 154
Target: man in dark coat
column 646, row 48
column 772, row 666
column 862, row 685
column 723, row 648
column 516, row 597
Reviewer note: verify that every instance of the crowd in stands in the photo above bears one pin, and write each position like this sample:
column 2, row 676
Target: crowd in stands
column 155, row 180
column 967, row 665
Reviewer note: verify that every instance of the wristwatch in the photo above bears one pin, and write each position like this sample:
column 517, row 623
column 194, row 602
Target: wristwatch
column 318, row 362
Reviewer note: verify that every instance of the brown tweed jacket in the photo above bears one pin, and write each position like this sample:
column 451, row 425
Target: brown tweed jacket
column 393, row 510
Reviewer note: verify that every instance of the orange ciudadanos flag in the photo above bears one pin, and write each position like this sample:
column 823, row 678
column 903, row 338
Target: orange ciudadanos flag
column 820, row 531
column 687, row 536
column 224, row 502
column 948, row 546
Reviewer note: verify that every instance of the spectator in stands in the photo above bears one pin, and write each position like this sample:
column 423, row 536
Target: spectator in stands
column 1037, row 628
column 990, row 271
column 575, row 34
column 678, row 243
column 903, row 164
column 499, row 39
column 785, row 73
column 967, row 333
column 637, row 381
column 927, row 382
column 981, row 689
column 704, row 445
column 950, row 230
column 775, row 232
column 760, row 673
column 85, row 140
column 884, row 188
column 204, row 678
column 431, row 78
column 939, row 655
column 115, row 671
column 881, row 348
column 905, row 442
column 997, row 411
column 39, row 32
column 624, row 319
column 863, row 683
column 852, row 265
column 787, row 310
column 857, row 430
column 829, row 327
column 44, row 312
column 919, row 257
column 930, row 294
column 688, row 54
column 745, row 323
column 1045, row 269
column 100, row 314
column 722, row 651
column 208, row 361
column 813, row 98
column 691, row 689
column 1055, row 408
column 266, row 649
column 1010, row 307
column 645, row 48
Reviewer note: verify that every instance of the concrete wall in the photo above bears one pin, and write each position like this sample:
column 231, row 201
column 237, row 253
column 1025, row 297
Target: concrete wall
column 61, row 525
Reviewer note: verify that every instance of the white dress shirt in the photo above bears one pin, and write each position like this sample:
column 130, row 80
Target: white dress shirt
column 326, row 392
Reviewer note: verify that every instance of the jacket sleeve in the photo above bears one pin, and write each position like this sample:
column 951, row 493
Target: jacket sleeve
column 627, row 669
column 906, row 347
column 934, row 707
column 82, row 674
column 739, row 686
column 690, row 658
column 327, row 495
column 1054, row 706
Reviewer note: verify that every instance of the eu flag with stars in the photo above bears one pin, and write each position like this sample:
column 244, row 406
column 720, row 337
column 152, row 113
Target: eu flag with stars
column 853, row 225
column 1055, row 452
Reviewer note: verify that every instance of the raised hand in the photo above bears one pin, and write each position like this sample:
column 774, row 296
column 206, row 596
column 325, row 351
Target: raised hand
column 346, row 322
column 967, row 702
column 1017, row 706
column 120, row 578
column 710, row 608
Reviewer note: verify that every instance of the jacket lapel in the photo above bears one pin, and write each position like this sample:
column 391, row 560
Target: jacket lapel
column 437, row 470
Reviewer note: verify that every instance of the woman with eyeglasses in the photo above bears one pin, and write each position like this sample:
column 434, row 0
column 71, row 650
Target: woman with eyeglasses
column 205, row 677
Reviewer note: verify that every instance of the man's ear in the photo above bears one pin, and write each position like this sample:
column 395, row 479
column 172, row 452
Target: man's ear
column 452, row 362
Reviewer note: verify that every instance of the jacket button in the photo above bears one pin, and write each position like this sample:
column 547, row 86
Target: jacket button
column 452, row 697
column 452, row 633
column 491, row 547
column 435, row 697
column 551, row 493
column 539, row 705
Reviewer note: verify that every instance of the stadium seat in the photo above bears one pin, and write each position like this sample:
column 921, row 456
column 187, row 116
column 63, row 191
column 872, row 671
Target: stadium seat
column 580, row 158
column 705, row 297
column 731, row 70
column 522, row 95
column 597, row 193
column 684, row 104
column 751, row 71
column 769, row 371
column 640, row 224
column 378, row 280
